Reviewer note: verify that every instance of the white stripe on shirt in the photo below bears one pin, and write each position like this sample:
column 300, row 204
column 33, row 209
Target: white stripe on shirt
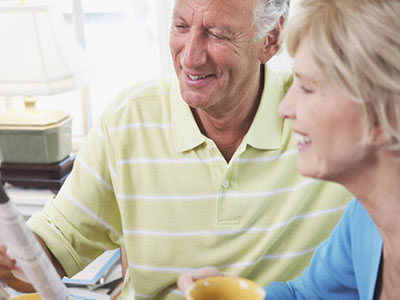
column 197, row 197
column 90, row 213
column 140, row 125
column 233, row 232
column 235, row 265
column 95, row 174
column 267, row 159
column 169, row 161
column 211, row 160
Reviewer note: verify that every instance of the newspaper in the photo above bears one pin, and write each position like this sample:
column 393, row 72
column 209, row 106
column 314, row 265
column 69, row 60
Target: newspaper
column 28, row 253
column 4, row 295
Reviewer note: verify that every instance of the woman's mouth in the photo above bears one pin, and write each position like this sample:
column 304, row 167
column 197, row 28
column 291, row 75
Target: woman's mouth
column 302, row 140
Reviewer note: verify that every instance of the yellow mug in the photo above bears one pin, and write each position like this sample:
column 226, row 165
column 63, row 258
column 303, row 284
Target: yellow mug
column 34, row 296
column 225, row 288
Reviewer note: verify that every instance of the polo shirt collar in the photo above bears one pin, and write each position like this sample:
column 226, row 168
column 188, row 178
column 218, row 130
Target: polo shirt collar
column 266, row 130
column 186, row 133
column 264, row 133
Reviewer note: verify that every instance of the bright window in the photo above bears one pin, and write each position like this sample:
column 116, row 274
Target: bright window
column 125, row 38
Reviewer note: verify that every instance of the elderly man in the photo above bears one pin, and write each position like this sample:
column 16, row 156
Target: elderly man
column 198, row 169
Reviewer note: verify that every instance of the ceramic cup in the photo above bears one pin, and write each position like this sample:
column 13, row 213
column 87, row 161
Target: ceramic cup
column 225, row 288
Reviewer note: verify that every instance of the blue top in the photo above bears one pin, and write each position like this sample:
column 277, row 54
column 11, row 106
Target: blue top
column 345, row 266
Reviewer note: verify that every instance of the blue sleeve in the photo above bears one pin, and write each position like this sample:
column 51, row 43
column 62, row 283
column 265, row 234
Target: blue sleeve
column 330, row 274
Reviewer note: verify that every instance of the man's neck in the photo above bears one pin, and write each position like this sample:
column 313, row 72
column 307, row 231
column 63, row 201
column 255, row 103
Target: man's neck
column 227, row 129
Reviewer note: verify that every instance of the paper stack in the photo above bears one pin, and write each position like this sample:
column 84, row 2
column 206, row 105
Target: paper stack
column 101, row 279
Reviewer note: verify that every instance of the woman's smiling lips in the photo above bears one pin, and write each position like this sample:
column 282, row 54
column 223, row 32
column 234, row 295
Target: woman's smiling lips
column 303, row 141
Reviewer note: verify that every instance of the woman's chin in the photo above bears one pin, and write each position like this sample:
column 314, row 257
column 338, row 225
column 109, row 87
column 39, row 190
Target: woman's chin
column 307, row 170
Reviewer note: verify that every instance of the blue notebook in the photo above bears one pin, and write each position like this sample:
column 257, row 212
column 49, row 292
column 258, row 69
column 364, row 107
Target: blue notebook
column 96, row 270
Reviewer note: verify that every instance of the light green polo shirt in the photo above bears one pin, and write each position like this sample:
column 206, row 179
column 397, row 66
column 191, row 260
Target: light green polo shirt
column 148, row 179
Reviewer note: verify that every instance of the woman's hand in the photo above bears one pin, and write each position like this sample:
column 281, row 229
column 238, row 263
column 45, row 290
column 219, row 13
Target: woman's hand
column 7, row 265
column 185, row 280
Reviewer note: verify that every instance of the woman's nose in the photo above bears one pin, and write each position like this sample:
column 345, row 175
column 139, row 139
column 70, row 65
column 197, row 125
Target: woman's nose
column 287, row 107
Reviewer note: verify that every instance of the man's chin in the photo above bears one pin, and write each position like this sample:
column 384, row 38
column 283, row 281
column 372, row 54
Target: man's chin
column 196, row 99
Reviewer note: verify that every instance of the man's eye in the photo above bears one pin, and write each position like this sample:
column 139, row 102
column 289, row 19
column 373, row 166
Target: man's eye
column 217, row 36
column 180, row 26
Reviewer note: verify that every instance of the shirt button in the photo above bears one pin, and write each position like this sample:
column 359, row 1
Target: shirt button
column 210, row 148
column 225, row 183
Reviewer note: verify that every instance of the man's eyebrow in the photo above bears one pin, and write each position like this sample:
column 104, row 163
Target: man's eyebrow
column 175, row 15
column 224, row 29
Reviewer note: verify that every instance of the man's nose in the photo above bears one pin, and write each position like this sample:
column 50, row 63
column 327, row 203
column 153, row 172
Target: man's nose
column 287, row 108
column 195, row 53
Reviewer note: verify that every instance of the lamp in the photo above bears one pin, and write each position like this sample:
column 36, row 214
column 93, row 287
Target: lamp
column 38, row 56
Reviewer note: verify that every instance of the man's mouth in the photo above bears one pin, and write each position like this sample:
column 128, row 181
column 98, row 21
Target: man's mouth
column 198, row 77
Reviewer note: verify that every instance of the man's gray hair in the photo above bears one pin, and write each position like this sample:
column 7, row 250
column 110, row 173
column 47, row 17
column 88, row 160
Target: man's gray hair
column 266, row 15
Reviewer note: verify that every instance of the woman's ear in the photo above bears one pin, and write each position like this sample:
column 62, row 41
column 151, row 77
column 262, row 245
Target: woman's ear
column 377, row 136
column 272, row 42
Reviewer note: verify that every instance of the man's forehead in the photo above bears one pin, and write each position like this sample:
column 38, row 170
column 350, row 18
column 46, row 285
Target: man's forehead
column 218, row 5
column 215, row 11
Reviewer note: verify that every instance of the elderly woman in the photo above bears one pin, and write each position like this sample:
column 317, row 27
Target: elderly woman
column 345, row 109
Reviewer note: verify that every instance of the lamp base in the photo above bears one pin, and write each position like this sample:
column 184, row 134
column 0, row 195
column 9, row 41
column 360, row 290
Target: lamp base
column 38, row 176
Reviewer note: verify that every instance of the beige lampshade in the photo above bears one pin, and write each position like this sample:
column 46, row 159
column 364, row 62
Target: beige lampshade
column 38, row 54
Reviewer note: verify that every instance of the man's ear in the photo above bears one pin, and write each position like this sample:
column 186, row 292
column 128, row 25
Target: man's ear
column 272, row 42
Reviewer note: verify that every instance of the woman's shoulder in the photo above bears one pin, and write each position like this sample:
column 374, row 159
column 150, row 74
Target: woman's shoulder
column 356, row 208
column 358, row 216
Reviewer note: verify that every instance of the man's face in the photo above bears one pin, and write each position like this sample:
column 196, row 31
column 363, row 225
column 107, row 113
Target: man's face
column 215, row 55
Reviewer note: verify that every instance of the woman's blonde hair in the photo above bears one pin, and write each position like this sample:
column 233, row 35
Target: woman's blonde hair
column 356, row 45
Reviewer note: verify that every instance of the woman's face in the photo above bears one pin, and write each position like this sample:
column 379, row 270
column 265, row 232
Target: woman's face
column 330, row 128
